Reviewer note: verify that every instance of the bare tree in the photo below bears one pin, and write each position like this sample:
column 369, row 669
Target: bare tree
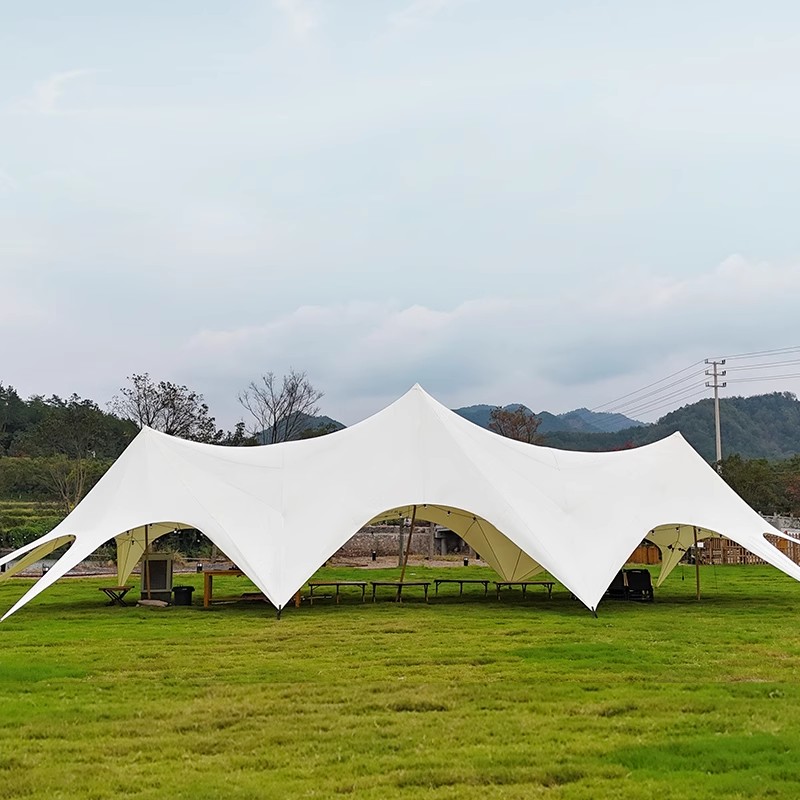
column 281, row 407
column 71, row 478
column 166, row 407
column 519, row 424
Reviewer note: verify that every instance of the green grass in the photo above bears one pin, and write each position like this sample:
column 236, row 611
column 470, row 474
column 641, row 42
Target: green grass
column 462, row 698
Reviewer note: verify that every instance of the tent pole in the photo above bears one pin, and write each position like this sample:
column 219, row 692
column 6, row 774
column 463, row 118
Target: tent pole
column 400, row 542
column 146, row 562
column 408, row 548
column 696, row 564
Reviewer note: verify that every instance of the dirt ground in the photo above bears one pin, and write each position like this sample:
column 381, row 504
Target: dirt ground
column 97, row 567
column 386, row 562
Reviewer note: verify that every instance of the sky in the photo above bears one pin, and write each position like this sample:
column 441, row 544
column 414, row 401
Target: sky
column 504, row 200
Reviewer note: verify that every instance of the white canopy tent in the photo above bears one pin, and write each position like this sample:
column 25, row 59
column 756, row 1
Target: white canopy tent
column 280, row 511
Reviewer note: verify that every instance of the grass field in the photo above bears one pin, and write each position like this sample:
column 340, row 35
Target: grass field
column 466, row 698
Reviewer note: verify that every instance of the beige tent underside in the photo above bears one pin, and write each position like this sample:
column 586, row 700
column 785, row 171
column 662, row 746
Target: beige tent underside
column 495, row 548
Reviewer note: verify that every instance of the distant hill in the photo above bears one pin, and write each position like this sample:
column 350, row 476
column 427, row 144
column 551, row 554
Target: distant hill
column 580, row 420
column 308, row 425
column 761, row 426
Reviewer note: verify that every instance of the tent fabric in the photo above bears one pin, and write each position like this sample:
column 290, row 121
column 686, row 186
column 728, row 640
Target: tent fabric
column 280, row 511
column 496, row 550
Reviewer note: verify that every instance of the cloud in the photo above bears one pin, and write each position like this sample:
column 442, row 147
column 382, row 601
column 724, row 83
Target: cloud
column 20, row 311
column 420, row 11
column 299, row 17
column 47, row 93
column 557, row 352
column 7, row 183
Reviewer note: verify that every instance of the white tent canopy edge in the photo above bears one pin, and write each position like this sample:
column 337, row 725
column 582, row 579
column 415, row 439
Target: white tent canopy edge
column 279, row 511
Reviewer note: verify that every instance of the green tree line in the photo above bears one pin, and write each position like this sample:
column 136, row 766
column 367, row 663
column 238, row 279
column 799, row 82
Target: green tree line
column 760, row 426
column 53, row 450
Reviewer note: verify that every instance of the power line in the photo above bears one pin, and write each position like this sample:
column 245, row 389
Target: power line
column 657, row 395
column 642, row 399
column 765, row 365
column 779, row 351
column 764, row 378
column 649, row 385
column 643, row 403
column 656, row 405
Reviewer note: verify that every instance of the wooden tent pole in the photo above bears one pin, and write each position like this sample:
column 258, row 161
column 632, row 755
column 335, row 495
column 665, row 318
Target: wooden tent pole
column 400, row 542
column 696, row 564
column 146, row 563
column 408, row 548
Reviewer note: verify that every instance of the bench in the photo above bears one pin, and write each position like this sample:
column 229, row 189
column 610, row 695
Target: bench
column 525, row 584
column 337, row 585
column 398, row 586
column 461, row 582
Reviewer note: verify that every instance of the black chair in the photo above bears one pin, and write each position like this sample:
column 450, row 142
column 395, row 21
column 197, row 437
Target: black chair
column 640, row 584
column 617, row 589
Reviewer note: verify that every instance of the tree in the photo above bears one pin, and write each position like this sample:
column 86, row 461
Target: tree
column 319, row 430
column 518, row 423
column 166, row 407
column 793, row 493
column 15, row 416
column 755, row 480
column 238, row 437
column 74, row 436
column 281, row 407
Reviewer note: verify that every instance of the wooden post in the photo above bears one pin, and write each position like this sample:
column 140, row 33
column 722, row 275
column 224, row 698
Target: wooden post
column 146, row 563
column 408, row 548
column 431, row 540
column 696, row 563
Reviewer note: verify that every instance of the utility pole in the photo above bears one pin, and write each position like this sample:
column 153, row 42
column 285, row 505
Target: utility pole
column 715, row 374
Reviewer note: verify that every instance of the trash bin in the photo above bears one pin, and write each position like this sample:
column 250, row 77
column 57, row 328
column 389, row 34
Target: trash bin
column 182, row 595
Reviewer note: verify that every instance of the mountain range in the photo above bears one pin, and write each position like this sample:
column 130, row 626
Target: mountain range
column 760, row 426
column 581, row 420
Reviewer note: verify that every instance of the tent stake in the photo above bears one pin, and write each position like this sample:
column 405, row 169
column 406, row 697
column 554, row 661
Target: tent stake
column 696, row 564
column 278, row 616
column 408, row 550
column 594, row 611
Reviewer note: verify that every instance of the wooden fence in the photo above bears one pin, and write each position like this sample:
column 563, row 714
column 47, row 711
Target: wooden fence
column 724, row 551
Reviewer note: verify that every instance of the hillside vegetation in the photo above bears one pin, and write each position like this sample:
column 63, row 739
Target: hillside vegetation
column 580, row 420
column 762, row 426
column 23, row 521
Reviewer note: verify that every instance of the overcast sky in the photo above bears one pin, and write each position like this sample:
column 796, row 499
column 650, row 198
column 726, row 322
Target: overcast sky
column 504, row 200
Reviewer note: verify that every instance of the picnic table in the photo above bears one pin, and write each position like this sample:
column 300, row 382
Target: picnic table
column 461, row 582
column 208, row 582
column 116, row 594
column 337, row 584
column 525, row 584
column 399, row 586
